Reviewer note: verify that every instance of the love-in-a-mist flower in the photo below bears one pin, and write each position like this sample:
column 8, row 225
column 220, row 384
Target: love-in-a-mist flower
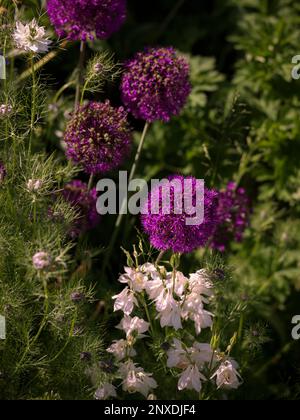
column 41, row 260
column 167, row 228
column 86, row 19
column 227, row 376
column 31, row 37
column 135, row 379
column 34, row 185
column 84, row 202
column 106, row 391
column 5, row 110
column 98, row 137
column 2, row 172
column 155, row 85
column 233, row 213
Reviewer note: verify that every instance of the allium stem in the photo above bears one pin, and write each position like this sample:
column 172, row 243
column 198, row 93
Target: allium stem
column 80, row 72
column 161, row 254
column 133, row 171
column 123, row 206
column 91, row 180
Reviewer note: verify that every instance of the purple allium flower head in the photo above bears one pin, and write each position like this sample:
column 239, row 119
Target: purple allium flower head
column 84, row 202
column 98, row 137
column 233, row 213
column 171, row 231
column 155, row 85
column 86, row 19
column 2, row 172
column 41, row 260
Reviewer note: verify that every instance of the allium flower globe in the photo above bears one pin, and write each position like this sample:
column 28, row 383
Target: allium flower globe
column 233, row 214
column 86, row 19
column 98, row 137
column 155, row 85
column 171, row 231
column 84, row 202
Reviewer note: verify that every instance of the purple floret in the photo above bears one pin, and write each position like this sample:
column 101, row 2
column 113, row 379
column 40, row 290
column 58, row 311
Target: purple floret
column 86, row 19
column 155, row 85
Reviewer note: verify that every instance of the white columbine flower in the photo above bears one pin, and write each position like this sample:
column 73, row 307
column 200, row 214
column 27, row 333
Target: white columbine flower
column 106, row 391
column 227, row 375
column 133, row 325
column 136, row 379
column 177, row 356
column 31, row 37
column 120, row 349
column 202, row 353
column 135, row 278
column 169, row 311
column 191, row 379
column 125, row 301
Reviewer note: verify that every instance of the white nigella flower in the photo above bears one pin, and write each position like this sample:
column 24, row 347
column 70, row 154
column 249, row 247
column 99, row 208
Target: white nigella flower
column 227, row 376
column 125, row 301
column 136, row 379
column 133, row 325
column 106, row 391
column 5, row 109
column 31, row 37
column 120, row 349
column 33, row 185
column 41, row 260
column 191, row 379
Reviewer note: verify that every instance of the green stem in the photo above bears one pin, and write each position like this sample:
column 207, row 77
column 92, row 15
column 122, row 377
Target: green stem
column 80, row 73
column 91, row 180
column 124, row 204
column 33, row 104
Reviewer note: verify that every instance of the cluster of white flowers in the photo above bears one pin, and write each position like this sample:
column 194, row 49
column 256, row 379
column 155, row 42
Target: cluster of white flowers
column 33, row 185
column 199, row 358
column 176, row 297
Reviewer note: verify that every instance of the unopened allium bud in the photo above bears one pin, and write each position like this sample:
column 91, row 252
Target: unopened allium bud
column 33, row 185
column 41, row 260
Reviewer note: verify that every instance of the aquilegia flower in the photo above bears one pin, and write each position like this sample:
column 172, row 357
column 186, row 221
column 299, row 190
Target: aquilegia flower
column 2, row 172
column 171, row 231
column 156, row 84
column 31, row 37
column 98, row 137
column 233, row 214
column 86, row 19
column 84, row 202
